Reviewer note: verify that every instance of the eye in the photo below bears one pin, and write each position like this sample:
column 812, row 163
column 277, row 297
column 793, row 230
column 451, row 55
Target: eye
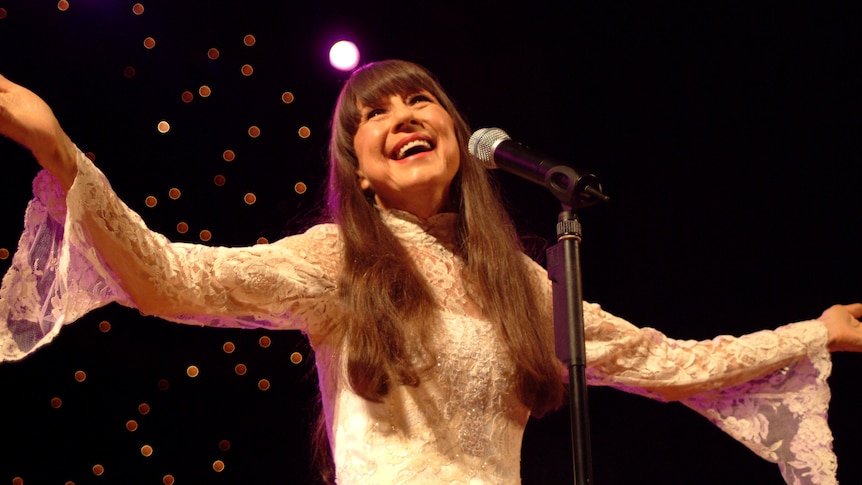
column 420, row 98
column 370, row 113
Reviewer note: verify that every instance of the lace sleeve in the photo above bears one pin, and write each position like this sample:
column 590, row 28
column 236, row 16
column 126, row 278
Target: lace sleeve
column 767, row 389
column 57, row 275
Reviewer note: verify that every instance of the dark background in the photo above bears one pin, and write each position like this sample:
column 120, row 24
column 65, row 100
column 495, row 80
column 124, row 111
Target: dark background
column 726, row 133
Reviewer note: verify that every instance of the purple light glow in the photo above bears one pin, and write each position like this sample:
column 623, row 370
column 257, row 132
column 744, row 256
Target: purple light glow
column 344, row 55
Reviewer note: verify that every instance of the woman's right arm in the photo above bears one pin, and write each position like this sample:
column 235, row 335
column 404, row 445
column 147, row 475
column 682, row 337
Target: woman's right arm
column 185, row 281
column 28, row 120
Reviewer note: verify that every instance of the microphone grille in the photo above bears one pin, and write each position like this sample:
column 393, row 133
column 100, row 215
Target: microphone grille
column 483, row 142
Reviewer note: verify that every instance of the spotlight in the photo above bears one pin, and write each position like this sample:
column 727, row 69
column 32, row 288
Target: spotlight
column 344, row 55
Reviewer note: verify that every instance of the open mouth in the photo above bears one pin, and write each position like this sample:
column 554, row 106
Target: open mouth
column 412, row 147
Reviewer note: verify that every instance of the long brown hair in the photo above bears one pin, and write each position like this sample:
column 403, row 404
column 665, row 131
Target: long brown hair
column 387, row 302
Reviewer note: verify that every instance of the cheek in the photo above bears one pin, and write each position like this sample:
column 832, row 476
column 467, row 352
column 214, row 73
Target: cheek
column 453, row 154
column 453, row 150
column 368, row 139
column 361, row 149
column 361, row 142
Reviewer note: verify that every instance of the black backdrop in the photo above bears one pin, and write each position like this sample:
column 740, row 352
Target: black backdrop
column 727, row 135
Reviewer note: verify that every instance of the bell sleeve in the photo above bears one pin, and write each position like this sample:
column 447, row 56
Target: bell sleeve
column 767, row 389
column 57, row 275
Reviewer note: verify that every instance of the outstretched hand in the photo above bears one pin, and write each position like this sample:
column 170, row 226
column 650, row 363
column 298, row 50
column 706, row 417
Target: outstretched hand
column 845, row 330
column 28, row 120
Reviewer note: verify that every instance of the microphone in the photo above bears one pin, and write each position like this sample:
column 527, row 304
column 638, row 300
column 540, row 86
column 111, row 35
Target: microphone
column 494, row 148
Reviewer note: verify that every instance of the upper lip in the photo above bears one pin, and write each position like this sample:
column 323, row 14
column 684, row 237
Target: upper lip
column 397, row 148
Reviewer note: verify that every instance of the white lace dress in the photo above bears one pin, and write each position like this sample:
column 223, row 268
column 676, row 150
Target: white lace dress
column 463, row 423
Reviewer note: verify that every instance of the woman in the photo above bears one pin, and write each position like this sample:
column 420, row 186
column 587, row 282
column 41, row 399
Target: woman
column 429, row 363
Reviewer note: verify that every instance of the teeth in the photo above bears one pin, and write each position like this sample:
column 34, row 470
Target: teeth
column 409, row 145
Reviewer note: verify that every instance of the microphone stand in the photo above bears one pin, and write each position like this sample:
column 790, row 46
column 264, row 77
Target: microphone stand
column 574, row 191
column 564, row 272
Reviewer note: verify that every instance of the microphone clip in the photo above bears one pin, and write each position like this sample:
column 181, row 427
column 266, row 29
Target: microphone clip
column 574, row 190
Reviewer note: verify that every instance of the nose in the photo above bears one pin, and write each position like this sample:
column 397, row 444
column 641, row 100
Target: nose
column 403, row 116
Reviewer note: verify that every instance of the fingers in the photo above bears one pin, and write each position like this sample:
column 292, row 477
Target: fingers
column 855, row 309
column 7, row 86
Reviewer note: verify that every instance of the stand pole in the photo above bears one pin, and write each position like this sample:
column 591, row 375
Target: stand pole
column 564, row 271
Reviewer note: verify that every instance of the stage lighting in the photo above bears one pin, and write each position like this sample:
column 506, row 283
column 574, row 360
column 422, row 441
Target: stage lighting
column 344, row 55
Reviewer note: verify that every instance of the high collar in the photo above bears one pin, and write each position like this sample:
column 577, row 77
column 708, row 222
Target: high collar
column 439, row 228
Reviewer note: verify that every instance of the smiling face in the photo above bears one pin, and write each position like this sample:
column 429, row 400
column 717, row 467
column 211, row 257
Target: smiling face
column 407, row 152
